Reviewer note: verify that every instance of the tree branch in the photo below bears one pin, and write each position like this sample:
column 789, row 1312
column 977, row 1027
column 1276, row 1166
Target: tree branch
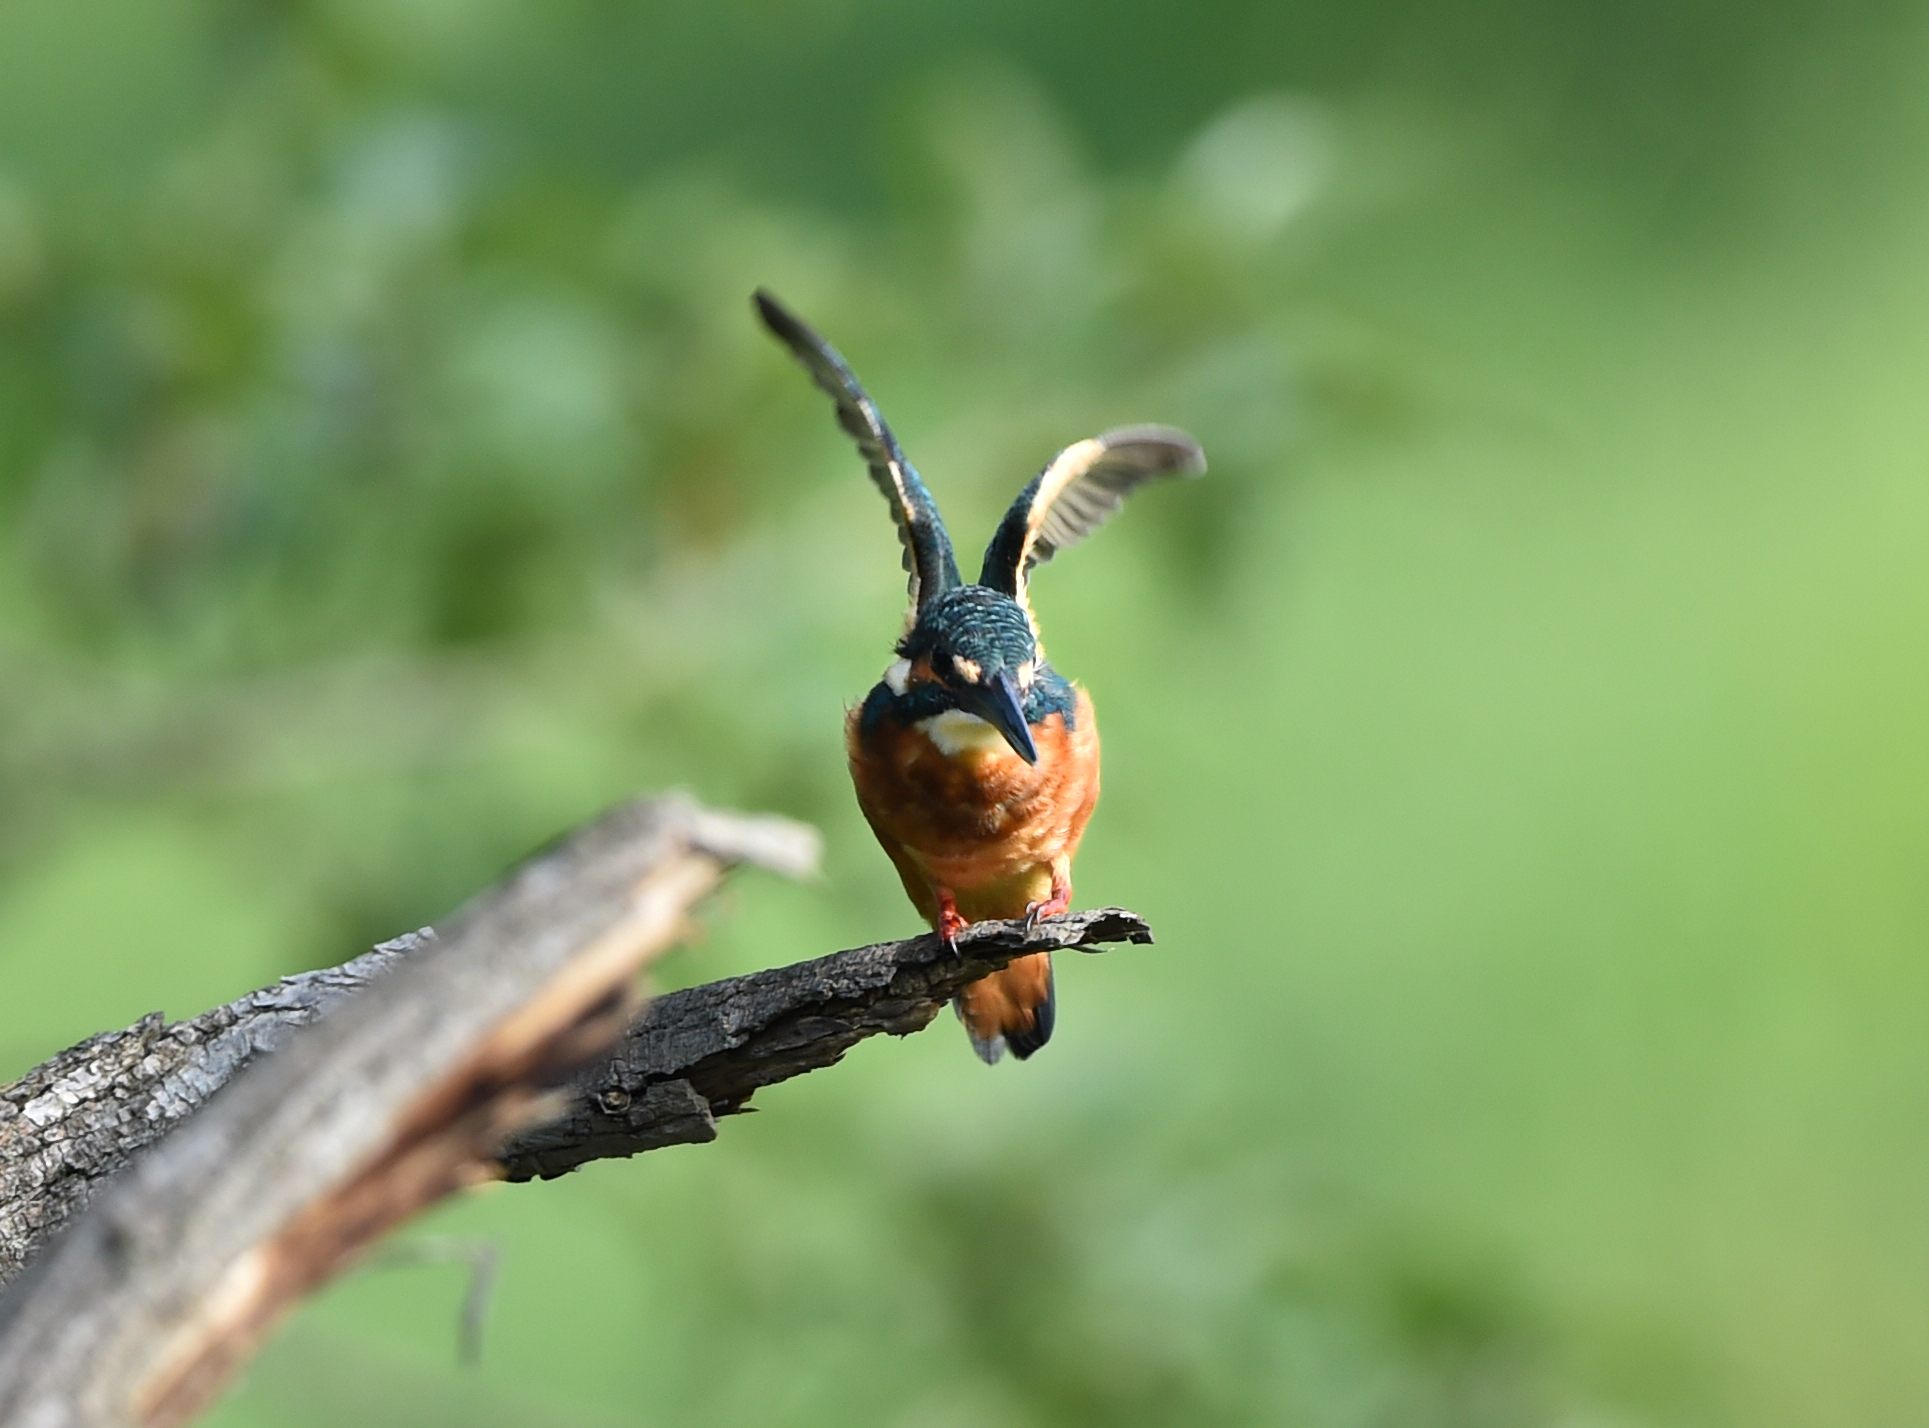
column 401, row 1095
column 698, row 1054
column 424, row 1073
column 77, row 1118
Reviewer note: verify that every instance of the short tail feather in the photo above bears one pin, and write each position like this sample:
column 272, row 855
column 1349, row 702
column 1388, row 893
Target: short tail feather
column 1015, row 1008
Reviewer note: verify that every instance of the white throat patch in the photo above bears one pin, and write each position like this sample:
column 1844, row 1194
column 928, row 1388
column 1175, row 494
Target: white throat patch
column 956, row 732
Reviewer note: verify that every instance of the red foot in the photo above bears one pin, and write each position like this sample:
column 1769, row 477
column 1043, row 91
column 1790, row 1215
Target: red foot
column 1060, row 901
column 950, row 924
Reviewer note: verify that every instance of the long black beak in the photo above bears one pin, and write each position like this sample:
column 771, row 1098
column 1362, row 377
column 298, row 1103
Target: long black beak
column 1000, row 704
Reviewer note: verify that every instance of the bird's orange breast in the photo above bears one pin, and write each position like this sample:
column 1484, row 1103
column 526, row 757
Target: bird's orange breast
column 980, row 821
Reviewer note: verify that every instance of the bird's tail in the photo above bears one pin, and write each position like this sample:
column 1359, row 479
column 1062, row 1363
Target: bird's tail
column 1014, row 1007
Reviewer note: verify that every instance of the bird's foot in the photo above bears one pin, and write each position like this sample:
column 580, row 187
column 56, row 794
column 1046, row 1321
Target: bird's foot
column 1059, row 902
column 950, row 923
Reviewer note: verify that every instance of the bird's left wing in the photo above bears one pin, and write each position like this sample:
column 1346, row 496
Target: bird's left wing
column 1076, row 494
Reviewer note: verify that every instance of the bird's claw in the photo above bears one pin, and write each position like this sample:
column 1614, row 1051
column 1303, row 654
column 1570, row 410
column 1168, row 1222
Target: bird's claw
column 950, row 924
column 1039, row 909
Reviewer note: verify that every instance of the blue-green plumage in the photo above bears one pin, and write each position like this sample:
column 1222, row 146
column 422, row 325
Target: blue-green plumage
column 1005, row 555
column 1051, row 693
column 927, row 545
column 989, row 624
column 974, row 623
column 982, row 654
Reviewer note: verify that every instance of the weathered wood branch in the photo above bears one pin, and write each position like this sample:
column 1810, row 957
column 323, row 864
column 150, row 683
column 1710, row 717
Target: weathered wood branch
column 694, row 1055
column 425, row 1073
column 404, row 1092
column 76, row 1119
column 698, row 1054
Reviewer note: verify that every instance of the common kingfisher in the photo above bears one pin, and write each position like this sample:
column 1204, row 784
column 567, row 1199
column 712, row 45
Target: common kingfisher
column 976, row 762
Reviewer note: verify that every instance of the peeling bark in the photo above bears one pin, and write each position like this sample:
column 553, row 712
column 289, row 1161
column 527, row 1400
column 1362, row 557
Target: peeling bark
column 503, row 1045
column 405, row 1091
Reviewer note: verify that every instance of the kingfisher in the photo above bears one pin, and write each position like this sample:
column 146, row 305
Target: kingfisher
column 974, row 760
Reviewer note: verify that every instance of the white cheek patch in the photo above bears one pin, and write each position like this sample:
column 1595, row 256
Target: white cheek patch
column 898, row 677
column 955, row 732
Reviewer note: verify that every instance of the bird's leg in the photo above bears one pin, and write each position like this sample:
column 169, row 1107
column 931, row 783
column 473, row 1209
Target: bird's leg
column 1060, row 901
column 950, row 924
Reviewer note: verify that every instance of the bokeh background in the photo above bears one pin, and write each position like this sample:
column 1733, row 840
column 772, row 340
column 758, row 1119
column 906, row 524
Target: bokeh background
column 1517, row 740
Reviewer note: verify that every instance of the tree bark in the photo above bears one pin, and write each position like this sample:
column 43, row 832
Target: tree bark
column 159, row 1289
column 79, row 1117
column 698, row 1054
column 430, row 1066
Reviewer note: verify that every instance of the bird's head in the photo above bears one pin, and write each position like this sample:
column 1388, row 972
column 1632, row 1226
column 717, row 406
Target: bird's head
column 973, row 649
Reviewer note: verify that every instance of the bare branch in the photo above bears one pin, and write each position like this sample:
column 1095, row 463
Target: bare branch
column 421, row 1071
column 404, row 1093
column 75, row 1120
column 700, row 1053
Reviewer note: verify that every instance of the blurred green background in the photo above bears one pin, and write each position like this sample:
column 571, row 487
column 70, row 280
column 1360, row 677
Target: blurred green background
column 1517, row 740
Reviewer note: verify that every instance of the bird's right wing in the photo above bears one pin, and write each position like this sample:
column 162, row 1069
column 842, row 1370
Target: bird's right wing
column 927, row 546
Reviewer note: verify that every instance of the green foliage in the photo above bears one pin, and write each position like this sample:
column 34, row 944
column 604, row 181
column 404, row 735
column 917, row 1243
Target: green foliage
column 1516, row 739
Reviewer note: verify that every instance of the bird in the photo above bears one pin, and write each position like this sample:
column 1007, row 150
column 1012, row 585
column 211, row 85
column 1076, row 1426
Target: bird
column 975, row 762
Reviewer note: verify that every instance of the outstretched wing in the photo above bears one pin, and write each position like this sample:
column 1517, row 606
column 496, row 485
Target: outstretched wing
column 1076, row 494
column 927, row 546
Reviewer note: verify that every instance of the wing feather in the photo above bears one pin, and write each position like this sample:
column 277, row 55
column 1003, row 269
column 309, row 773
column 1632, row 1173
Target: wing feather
column 1076, row 494
column 928, row 560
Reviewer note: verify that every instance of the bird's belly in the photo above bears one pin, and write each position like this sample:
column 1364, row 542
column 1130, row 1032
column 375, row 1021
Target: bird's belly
column 982, row 832
column 982, row 823
column 998, row 879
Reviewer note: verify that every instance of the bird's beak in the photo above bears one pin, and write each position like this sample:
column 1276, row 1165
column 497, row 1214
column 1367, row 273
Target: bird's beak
column 1000, row 703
